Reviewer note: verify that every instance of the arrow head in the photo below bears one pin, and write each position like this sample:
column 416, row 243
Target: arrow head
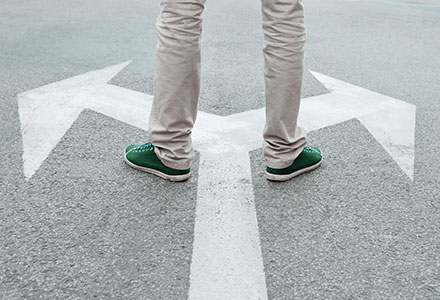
column 47, row 112
column 391, row 121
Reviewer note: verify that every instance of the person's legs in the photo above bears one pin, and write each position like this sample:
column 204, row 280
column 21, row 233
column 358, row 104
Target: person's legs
column 176, row 81
column 284, row 45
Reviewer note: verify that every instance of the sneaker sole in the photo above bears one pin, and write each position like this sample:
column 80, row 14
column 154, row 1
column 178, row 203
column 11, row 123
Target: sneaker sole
column 156, row 172
column 285, row 177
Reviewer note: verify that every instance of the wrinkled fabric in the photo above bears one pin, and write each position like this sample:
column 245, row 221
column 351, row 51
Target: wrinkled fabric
column 177, row 80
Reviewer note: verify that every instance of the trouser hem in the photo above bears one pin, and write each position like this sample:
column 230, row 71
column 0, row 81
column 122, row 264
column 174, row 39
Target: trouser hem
column 280, row 165
column 173, row 165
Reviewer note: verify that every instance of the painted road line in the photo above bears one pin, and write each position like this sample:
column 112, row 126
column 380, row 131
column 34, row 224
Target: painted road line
column 391, row 121
column 46, row 113
column 227, row 260
column 226, row 252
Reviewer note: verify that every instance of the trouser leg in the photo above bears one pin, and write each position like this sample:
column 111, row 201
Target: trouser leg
column 176, row 81
column 284, row 45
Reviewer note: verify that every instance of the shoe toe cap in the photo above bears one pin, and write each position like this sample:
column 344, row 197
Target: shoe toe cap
column 316, row 157
column 312, row 155
column 133, row 157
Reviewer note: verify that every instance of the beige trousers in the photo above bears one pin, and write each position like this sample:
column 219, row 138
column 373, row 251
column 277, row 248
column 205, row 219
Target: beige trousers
column 177, row 80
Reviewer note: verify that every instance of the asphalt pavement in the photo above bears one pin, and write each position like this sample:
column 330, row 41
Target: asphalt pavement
column 86, row 225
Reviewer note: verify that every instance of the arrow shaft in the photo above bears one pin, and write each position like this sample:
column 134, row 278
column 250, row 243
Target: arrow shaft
column 121, row 104
column 227, row 261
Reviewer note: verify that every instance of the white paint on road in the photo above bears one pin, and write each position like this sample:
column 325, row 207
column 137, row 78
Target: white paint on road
column 391, row 121
column 46, row 113
column 227, row 262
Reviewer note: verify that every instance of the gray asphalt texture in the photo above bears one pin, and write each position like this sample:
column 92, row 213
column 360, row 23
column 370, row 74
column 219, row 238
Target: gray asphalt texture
column 354, row 229
column 86, row 225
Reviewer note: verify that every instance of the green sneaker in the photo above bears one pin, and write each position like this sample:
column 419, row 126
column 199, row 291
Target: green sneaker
column 143, row 158
column 309, row 159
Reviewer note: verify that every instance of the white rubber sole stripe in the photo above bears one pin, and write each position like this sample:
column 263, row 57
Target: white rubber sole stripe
column 285, row 177
column 156, row 172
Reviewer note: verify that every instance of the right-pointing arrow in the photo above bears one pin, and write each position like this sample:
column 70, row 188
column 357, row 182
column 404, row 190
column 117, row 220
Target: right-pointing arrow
column 390, row 121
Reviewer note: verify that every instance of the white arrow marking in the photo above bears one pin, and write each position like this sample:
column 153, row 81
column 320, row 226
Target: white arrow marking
column 390, row 121
column 227, row 261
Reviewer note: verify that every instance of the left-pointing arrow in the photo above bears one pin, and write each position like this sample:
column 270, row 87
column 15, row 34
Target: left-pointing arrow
column 53, row 108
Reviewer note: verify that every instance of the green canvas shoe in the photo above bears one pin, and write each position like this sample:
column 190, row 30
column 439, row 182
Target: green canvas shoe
column 143, row 158
column 309, row 159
